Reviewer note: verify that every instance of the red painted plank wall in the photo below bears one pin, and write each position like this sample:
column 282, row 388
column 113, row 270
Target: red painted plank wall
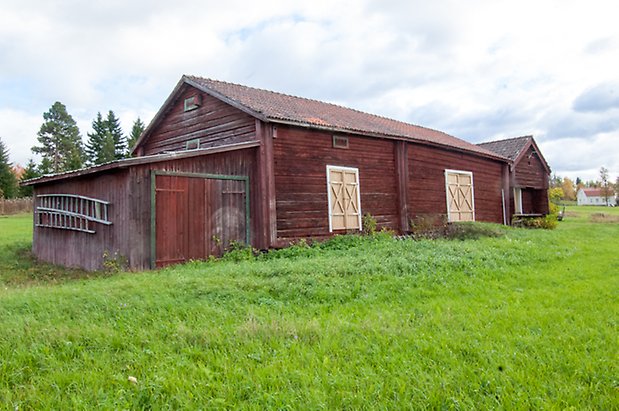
column 301, row 159
column 214, row 122
column 530, row 172
column 427, row 193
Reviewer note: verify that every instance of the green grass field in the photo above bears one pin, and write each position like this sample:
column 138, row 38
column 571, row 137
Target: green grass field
column 526, row 320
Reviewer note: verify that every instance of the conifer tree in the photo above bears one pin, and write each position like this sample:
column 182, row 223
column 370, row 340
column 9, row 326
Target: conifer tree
column 60, row 142
column 136, row 131
column 8, row 181
column 31, row 171
column 95, row 140
column 115, row 130
column 106, row 142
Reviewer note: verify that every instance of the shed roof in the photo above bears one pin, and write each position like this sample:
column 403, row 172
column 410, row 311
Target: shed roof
column 270, row 106
column 514, row 148
column 135, row 161
column 598, row 192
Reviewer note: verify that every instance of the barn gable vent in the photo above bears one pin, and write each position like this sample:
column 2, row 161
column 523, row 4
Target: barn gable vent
column 70, row 212
column 340, row 142
column 192, row 144
column 193, row 102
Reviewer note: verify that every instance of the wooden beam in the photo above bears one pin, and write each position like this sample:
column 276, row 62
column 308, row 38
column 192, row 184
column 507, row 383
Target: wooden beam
column 401, row 162
column 267, row 221
column 508, row 187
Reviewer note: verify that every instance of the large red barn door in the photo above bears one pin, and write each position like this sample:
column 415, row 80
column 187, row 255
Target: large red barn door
column 196, row 216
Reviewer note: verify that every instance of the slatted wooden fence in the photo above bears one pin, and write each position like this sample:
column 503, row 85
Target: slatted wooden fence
column 15, row 206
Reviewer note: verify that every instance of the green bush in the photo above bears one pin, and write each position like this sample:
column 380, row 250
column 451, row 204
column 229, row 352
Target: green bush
column 548, row 222
column 368, row 224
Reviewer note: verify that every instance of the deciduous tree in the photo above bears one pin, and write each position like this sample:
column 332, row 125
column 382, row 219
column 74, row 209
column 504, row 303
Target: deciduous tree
column 569, row 192
column 605, row 184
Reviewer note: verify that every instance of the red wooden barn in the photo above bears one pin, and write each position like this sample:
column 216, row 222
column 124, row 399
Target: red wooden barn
column 529, row 175
column 222, row 162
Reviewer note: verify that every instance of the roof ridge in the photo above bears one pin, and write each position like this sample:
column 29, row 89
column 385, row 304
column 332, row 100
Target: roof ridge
column 320, row 102
column 506, row 139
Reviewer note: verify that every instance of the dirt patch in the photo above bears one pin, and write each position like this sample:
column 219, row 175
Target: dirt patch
column 604, row 218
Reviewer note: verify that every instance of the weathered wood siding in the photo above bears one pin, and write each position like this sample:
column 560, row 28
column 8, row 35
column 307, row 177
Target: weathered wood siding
column 426, row 190
column 129, row 192
column 214, row 122
column 530, row 172
column 301, row 157
column 78, row 249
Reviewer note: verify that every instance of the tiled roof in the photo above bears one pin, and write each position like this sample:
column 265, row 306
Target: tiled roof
column 278, row 107
column 597, row 192
column 510, row 148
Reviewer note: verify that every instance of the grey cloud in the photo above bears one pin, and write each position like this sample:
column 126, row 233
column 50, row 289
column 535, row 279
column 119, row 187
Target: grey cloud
column 600, row 98
column 578, row 125
column 600, row 45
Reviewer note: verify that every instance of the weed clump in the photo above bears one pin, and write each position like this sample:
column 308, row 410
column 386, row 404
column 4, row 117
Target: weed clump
column 473, row 231
column 549, row 222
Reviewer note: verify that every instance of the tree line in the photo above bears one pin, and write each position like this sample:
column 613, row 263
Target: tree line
column 61, row 148
column 563, row 188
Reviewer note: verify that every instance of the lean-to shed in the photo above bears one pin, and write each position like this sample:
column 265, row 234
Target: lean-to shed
column 222, row 162
column 529, row 175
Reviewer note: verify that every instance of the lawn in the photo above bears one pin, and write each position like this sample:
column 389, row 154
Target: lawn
column 525, row 320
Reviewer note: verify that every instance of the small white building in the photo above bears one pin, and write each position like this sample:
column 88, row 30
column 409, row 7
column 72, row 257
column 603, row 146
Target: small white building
column 596, row 196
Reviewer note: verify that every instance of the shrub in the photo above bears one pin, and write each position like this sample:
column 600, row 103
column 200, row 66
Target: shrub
column 368, row 224
column 548, row 222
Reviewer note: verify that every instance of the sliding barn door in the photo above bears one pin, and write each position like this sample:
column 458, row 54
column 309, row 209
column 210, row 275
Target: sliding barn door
column 195, row 217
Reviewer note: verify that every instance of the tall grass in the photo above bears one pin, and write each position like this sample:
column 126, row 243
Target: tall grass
column 526, row 320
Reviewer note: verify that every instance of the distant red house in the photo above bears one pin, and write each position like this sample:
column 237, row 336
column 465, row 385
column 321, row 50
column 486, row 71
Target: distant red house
column 529, row 174
column 223, row 162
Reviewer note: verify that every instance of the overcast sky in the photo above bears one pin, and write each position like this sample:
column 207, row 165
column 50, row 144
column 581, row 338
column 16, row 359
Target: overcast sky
column 479, row 70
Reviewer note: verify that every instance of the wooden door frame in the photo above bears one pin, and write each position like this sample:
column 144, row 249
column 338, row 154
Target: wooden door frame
column 206, row 176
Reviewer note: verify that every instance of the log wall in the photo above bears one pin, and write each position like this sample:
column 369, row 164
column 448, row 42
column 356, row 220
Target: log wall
column 301, row 157
column 427, row 192
column 214, row 122
column 530, row 172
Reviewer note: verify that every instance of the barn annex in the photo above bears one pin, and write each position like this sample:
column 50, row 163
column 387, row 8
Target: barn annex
column 222, row 162
column 528, row 177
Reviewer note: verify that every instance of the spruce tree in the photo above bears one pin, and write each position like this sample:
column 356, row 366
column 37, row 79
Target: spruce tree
column 95, row 141
column 8, row 181
column 30, row 172
column 120, row 142
column 60, row 142
column 106, row 143
column 136, row 131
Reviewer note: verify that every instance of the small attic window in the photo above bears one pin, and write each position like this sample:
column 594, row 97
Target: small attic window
column 192, row 103
column 340, row 142
column 192, row 144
